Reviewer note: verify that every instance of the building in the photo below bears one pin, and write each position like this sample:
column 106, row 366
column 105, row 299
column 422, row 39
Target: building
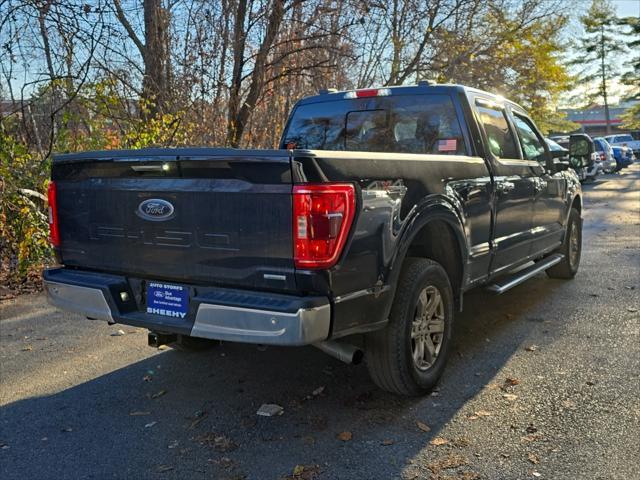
column 592, row 120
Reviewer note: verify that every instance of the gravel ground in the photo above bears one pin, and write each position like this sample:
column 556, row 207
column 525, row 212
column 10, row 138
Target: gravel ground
column 543, row 383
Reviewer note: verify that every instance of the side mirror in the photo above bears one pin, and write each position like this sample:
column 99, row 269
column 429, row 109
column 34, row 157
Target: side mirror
column 580, row 149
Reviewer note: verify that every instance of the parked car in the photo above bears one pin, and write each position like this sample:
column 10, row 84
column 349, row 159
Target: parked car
column 625, row 140
column 623, row 156
column 361, row 234
column 605, row 151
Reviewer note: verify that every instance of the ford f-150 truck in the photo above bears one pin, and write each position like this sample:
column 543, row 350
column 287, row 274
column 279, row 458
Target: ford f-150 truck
column 360, row 235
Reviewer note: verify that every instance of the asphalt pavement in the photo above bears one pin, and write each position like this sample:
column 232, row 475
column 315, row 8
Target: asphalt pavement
column 543, row 383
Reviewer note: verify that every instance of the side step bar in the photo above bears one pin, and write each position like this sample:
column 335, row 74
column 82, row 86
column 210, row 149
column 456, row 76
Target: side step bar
column 525, row 274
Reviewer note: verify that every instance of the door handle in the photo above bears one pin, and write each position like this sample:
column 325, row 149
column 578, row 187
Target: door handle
column 505, row 187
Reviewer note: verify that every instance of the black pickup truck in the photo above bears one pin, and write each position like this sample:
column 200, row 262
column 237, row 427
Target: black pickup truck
column 359, row 235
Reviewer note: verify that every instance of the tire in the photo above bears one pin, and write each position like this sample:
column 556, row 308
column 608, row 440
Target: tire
column 571, row 248
column 390, row 352
column 192, row 344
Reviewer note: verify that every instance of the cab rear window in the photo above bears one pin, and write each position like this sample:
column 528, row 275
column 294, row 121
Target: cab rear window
column 397, row 123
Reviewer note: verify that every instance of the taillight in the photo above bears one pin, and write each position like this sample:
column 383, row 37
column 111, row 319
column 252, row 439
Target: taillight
column 322, row 218
column 603, row 157
column 54, row 230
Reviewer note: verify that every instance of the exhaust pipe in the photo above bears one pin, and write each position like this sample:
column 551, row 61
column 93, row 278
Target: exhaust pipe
column 342, row 351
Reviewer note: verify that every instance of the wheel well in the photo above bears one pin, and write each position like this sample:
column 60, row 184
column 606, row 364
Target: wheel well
column 438, row 241
column 577, row 204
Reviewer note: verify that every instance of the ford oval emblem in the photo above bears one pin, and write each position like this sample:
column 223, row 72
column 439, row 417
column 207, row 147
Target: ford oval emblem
column 155, row 209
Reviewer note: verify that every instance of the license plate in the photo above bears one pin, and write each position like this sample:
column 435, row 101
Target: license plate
column 168, row 300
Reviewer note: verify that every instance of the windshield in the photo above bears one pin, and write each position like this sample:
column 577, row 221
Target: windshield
column 554, row 146
column 624, row 138
column 397, row 123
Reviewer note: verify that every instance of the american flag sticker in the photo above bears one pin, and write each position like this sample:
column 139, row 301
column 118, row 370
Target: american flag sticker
column 448, row 145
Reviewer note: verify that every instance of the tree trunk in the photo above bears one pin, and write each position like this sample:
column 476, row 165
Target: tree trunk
column 603, row 71
column 157, row 66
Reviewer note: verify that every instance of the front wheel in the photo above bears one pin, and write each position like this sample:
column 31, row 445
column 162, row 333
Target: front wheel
column 571, row 248
column 408, row 356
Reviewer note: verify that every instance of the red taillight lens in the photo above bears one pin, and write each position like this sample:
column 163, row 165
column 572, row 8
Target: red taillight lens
column 603, row 157
column 322, row 217
column 54, row 230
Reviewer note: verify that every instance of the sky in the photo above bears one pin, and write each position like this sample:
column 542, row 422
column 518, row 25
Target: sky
column 624, row 8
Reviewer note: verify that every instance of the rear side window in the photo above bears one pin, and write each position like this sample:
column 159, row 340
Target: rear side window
column 500, row 138
column 530, row 142
column 397, row 123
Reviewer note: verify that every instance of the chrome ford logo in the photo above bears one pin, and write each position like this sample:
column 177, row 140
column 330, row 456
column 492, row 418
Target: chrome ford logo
column 155, row 209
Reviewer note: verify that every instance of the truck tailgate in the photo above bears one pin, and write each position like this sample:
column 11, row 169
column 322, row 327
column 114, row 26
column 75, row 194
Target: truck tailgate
column 220, row 217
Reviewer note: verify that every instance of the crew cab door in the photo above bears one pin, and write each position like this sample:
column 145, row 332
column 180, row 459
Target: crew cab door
column 549, row 187
column 513, row 187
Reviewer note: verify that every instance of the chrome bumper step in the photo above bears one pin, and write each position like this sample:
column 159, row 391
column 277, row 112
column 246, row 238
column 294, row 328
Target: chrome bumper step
column 507, row 283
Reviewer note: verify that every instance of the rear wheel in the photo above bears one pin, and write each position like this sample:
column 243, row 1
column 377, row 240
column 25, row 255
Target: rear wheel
column 409, row 355
column 571, row 248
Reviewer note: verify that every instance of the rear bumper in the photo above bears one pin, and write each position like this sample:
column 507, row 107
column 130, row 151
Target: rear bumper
column 221, row 314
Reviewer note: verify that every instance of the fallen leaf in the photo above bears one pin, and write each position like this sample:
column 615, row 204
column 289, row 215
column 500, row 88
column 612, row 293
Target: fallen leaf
column 531, row 348
column 198, row 420
column 270, row 410
column 533, row 458
column 483, row 413
column 138, row 414
column 536, row 474
column 345, row 436
column 388, row 442
column 423, row 426
column 509, row 396
column 570, row 404
column 119, row 333
column 473, row 417
column 439, row 441
column 632, row 309
column 158, row 394
column 511, row 382
column 304, row 472
column 27, row 348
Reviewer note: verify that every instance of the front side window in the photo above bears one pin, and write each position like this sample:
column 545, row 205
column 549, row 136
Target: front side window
column 530, row 142
column 501, row 141
column 397, row 123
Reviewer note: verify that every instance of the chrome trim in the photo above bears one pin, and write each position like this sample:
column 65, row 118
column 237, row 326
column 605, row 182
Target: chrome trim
column 236, row 324
column 86, row 301
column 361, row 293
column 273, row 276
column 524, row 274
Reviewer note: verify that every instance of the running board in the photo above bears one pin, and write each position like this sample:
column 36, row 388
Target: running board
column 525, row 274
